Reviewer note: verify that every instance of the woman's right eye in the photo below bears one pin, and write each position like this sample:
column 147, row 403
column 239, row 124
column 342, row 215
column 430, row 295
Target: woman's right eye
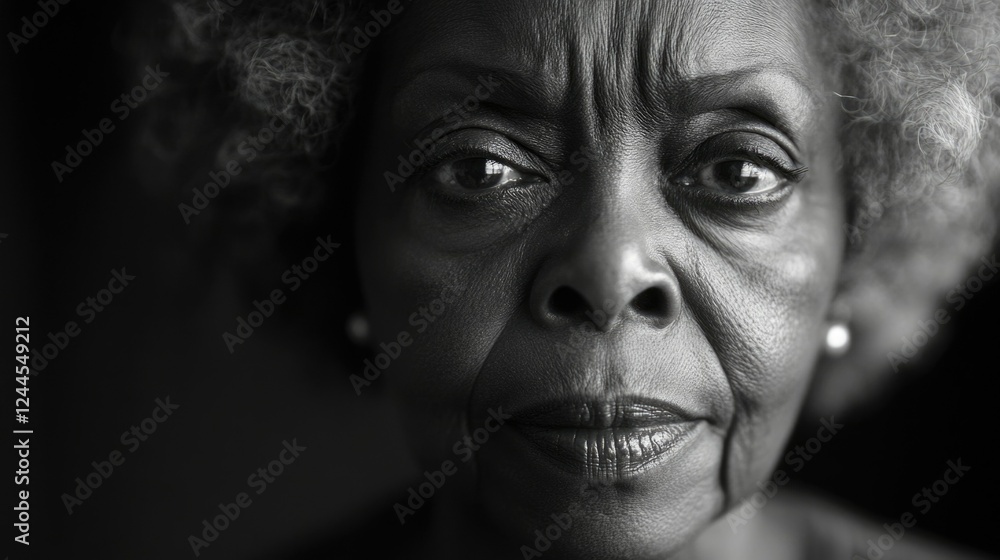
column 479, row 174
column 736, row 176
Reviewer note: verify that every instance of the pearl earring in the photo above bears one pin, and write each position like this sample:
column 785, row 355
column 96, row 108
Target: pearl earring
column 838, row 339
column 357, row 328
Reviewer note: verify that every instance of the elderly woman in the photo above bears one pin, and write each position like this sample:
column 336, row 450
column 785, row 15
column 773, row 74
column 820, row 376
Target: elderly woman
column 609, row 250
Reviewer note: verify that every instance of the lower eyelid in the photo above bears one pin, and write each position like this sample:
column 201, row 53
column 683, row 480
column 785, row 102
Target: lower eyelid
column 751, row 200
column 732, row 199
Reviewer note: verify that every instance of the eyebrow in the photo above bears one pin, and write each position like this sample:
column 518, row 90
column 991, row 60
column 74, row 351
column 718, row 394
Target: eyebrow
column 780, row 97
column 519, row 91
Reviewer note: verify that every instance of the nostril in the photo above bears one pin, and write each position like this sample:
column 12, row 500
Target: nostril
column 651, row 302
column 566, row 301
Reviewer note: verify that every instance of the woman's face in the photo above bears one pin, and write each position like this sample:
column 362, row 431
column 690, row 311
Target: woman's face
column 619, row 225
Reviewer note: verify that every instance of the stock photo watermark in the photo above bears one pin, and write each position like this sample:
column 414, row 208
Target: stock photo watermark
column 923, row 501
column 580, row 160
column 366, row 33
column 30, row 26
column 926, row 329
column 562, row 522
column 293, row 278
column 133, row 438
column 453, row 118
column 86, row 310
column 230, row 512
column 464, row 448
column 22, row 478
column 421, row 320
column 795, row 459
column 122, row 107
column 218, row 180
column 865, row 220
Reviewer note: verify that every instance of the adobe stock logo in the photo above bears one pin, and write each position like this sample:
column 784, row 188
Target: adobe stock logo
column 451, row 120
column 364, row 35
column 293, row 277
column 219, row 180
column 87, row 310
column 230, row 512
column 421, row 319
column 924, row 500
column 31, row 27
column 926, row 329
column 562, row 522
column 121, row 106
column 132, row 438
column 466, row 449
column 796, row 459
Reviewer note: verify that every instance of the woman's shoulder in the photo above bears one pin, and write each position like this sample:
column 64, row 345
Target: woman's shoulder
column 832, row 530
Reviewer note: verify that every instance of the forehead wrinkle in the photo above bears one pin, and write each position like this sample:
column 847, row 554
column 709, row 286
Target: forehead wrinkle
column 444, row 38
column 625, row 59
column 765, row 32
column 609, row 56
column 599, row 65
column 664, row 50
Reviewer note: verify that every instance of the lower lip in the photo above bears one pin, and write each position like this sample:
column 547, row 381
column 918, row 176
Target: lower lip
column 603, row 453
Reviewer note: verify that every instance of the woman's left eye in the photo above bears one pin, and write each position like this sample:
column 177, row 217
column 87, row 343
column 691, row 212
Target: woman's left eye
column 478, row 174
column 736, row 177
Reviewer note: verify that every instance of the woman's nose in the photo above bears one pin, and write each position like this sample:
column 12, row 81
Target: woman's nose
column 605, row 277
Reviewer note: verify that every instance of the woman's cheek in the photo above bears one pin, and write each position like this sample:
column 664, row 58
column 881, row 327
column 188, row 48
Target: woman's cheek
column 435, row 316
column 764, row 301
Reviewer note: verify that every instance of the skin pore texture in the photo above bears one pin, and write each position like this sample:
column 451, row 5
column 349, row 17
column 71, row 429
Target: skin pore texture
column 641, row 218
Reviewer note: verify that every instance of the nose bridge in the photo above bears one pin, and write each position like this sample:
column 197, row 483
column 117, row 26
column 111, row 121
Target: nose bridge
column 606, row 270
column 609, row 255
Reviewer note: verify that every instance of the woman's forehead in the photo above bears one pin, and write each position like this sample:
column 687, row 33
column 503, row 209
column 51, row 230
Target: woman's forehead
column 607, row 60
column 585, row 43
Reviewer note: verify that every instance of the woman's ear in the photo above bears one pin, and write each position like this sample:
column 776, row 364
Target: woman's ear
column 871, row 354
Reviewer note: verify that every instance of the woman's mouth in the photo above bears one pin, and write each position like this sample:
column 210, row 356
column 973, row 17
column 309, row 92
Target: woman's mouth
column 605, row 439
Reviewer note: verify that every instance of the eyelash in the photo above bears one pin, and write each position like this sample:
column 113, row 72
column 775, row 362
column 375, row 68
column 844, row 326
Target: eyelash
column 756, row 156
column 435, row 159
column 790, row 175
column 496, row 199
column 698, row 161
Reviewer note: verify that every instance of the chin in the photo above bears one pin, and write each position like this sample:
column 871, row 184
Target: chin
column 581, row 493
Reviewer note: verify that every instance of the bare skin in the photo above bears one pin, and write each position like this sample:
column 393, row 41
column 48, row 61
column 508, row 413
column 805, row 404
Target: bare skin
column 640, row 213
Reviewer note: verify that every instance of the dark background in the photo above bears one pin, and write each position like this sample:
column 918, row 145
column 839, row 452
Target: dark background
column 160, row 337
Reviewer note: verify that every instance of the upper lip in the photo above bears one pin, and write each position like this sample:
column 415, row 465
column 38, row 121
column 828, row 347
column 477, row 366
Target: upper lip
column 597, row 414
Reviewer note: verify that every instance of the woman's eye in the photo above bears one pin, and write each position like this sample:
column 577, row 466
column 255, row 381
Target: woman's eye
column 736, row 176
column 478, row 174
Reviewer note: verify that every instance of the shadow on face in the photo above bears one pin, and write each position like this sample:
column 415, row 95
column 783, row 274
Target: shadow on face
column 611, row 233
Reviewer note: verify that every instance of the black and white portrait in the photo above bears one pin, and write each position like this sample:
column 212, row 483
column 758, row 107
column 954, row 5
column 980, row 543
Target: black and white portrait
column 502, row 279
